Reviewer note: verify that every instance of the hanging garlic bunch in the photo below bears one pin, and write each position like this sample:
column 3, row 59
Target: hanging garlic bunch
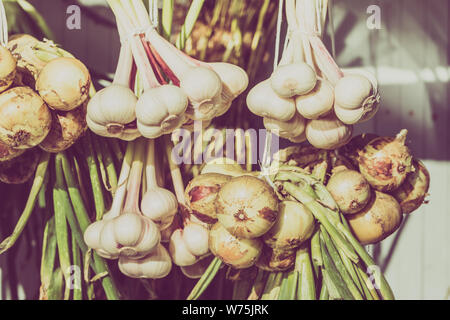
column 125, row 232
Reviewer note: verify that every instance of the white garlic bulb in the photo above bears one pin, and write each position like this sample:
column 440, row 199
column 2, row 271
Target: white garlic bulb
column 293, row 79
column 328, row 132
column 317, row 102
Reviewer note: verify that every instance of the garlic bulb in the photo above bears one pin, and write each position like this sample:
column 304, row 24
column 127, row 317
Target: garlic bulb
column 264, row 102
column 236, row 252
column 7, row 68
column 234, row 79
column 352, row 116
column 195, row 236
column 354, row 91
column 25, row 119
column 201, row 192
column 155, row 265
column 246, row 206
column 317, row 102
column 160, row 110
column 179, row 252
column 328, row 133
column 286, row 129
column 293, row 79
column 66, row 128
column 92, row 239
column 157, row 203
column 64, row 83
column 111, row 113
column 294, row 225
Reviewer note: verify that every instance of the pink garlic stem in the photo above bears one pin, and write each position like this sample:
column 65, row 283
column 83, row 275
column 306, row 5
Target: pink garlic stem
column 135, row 178
column 153, row 61
column 173, row 60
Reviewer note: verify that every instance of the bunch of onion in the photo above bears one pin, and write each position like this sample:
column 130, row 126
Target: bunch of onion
column 125, row 232
column 176, row 87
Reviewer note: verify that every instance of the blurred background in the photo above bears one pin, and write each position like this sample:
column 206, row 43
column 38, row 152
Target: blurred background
column 409, row 55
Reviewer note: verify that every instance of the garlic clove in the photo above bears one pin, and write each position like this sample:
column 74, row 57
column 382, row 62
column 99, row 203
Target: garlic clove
column 352, row 90
column 293, row 79
column 108, row 241
column 195, row 237
column 180, row 254
column 317, row 102
column 264, row 102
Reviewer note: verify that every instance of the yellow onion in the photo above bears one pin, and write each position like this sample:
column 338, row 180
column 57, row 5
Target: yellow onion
column 412, row 192
column 294, row 225
column 22, row 49
column 238, row 253
column 25, row 119
column 8, row 153
column 247, row 207
column 275, row 260
column 67, row 127
column 378, row 220
column 7, row 68
column 64, row 83
column 385, row 162
column 350, row 190
column 201, row 194
column 19, row 169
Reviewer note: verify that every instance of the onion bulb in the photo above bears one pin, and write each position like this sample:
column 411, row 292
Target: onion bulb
column 21, row 47
column 294, row 225
column 379, row 219
column 247, row 207
column 275, row 260
column 66, row 128
column 317, row 102
column 155, row 265
column 25, row 119
column 412, row 192
column 64, row 83
column 385, row 162
column 350, row 190
column 355, row 145
column 293, row 79
column 8, row 153
column 7, row 68
column 201, row 194
column 328, row 132
column 20, row 169
column 238, row 253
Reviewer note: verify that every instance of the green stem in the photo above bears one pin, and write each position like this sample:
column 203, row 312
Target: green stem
column 167, row 15
column 272, row 289
column 76, row 256
column 34, row 192
column 48, row 258
column 307, row 284
column 203, row 283
column 189, row 22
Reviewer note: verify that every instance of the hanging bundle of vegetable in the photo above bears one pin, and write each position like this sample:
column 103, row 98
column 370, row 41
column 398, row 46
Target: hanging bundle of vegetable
column 308, row 97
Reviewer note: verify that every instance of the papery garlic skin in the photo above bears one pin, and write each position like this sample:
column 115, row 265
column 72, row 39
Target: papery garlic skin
column 156, row 265
column 160, row 205
column 203, row 87
column 293, row 79
column 288, row 129
column 264, row 102
column 317, row 102
column 352, row 90
column 328, row 133
column 195, row 236
column 110, row 112
column 179, row 252
column 161, row 110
